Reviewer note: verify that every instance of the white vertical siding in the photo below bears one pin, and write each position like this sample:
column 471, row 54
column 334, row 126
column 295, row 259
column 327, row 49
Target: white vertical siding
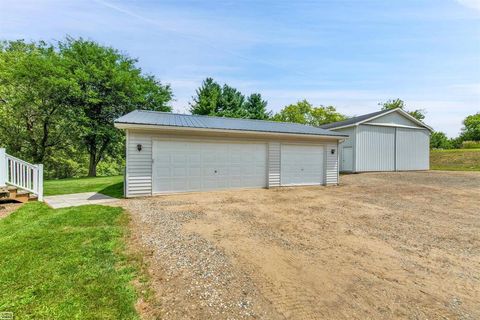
column 331, row 167
column 413, row 149
column 375, row 148
column 274, row 164
column 139, row 165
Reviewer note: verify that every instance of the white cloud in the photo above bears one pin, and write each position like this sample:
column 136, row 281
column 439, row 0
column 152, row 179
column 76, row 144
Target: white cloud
column 473, row 4
column 467, row 88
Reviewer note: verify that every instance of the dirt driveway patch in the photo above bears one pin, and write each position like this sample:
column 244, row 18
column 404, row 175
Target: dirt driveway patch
column 380, row 245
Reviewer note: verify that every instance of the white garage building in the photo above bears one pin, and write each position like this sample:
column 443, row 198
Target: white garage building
column 169, row 153
column 389, row 140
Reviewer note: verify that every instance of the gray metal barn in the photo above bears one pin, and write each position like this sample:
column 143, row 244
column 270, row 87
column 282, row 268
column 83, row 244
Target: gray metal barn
column 388, row 140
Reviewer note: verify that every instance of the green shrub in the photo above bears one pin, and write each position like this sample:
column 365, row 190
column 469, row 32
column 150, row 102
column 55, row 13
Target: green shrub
column 60, row 166
column 111, row 167
column 471, row 145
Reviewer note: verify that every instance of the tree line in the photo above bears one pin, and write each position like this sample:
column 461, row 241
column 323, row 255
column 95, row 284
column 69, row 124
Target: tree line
column 58, row 103
column 469, row 138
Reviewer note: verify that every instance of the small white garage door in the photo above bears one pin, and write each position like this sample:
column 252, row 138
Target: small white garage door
column 194, row 166
column 301, row 164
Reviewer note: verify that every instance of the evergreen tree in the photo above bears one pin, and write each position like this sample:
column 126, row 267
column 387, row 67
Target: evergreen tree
column 256, row 108
column 207, row 98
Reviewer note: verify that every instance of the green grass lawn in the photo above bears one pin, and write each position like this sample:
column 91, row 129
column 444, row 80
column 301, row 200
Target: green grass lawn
column 66, row 264
column 455, row 159
column 110, row 186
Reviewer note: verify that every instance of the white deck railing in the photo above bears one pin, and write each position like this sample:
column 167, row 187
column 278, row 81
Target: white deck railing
column 21, row 174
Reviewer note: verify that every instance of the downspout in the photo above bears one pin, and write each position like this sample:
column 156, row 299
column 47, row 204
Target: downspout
column 354, row 155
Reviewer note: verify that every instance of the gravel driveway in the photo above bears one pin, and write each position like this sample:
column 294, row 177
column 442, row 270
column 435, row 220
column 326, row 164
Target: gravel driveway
column 380, row 245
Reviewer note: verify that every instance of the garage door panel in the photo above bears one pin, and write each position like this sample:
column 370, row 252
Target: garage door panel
column 209, row 183
column 195, row 172
column 190, row 166
column 236, row 170
column 301, row 164
column 195, row 158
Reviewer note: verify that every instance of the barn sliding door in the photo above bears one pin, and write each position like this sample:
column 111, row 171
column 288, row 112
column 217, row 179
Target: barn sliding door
column 375, row 148
column 413, row 149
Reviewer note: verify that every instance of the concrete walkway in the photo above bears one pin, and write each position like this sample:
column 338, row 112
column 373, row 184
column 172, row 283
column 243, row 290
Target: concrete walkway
column 77, row 199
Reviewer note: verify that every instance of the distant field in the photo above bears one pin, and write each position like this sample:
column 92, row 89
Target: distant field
column 456, row 159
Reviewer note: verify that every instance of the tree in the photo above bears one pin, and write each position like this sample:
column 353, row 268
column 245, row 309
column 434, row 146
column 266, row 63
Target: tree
column 471, row 129
column 225, row 101
column 298, row 113
column 110, row 85
column 230, row 103
column 34, row 110
column 439, row 140
column 323, row 115
column 256, row 108
column 418, row 114
column 207, row 97
column 303, row 112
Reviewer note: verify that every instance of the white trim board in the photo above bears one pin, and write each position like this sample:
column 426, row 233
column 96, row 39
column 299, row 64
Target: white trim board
column 240, row 132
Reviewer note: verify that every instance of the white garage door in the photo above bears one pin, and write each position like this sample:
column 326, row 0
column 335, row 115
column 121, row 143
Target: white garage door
column 193, row 166
column 301, row 164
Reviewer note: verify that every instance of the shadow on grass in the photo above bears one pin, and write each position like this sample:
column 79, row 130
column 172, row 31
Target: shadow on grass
column 114, row 190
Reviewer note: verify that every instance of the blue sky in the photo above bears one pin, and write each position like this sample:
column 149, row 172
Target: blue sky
column 348, row 53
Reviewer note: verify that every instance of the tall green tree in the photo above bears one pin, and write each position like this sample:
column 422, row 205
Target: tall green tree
column 299, row 112
column 58, row 102
column 207, row 97
column 35, row 115
column 226, row 101
column 110, row 85
column 418, row 114
column 230, row 103
column 305, row 113
column 256, row 108
column 471, row 128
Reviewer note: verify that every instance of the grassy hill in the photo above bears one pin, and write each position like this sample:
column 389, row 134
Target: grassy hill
column 455, row 159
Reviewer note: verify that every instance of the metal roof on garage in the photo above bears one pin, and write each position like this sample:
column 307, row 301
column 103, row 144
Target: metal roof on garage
column 353, row 120
column 366, row 117
column 155, row 118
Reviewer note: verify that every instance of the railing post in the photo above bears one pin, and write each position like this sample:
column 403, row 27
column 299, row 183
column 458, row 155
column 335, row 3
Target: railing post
column 40, row 182
column 3, row 168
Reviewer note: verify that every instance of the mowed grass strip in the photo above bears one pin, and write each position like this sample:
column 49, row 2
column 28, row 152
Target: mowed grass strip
column 455, row 159
column 110, row 186
column 66, row 264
